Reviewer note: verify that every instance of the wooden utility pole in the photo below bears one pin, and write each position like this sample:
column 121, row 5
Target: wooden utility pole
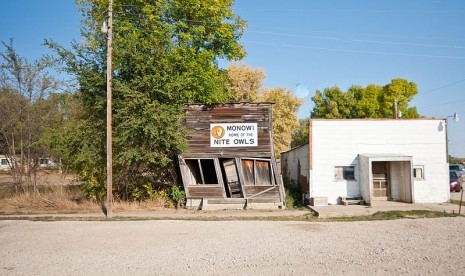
column 109, row 112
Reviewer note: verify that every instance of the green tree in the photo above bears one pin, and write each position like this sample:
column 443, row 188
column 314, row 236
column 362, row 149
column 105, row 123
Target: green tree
column 165, row 54
column 332, row 103
column 373, row 101
column 300, row 134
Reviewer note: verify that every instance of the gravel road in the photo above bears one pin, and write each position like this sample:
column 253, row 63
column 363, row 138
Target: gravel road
column 398, row 247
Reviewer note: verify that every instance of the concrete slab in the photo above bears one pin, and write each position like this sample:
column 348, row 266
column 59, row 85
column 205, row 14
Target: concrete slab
column 363, row 210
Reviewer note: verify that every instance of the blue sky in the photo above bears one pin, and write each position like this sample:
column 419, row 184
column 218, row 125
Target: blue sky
column 316, row 44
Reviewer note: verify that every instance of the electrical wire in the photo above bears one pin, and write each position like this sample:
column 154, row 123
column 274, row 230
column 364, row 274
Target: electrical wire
column 353, row 51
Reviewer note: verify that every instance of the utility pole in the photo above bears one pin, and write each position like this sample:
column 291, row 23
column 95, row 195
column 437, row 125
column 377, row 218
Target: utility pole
column 395, row 110
column 109, row 112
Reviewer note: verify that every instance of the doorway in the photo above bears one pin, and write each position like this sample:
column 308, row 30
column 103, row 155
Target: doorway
column 380, row 183
column 230, row 175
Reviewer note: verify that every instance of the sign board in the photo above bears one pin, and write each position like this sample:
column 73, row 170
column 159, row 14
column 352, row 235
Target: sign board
column 233, row 135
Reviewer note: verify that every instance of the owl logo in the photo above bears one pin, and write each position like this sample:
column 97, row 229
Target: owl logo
column 217, row 132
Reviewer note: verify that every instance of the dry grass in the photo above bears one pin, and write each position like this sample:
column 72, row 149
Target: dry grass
column 148, row 205
column 51, row 200
column 70, row 199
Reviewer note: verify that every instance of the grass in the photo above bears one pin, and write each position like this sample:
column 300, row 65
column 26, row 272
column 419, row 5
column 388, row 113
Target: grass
column 67, row 200
column 457, row 202
column 391, row 215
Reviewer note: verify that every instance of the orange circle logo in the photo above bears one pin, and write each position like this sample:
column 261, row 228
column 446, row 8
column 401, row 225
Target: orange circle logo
column 217, row 132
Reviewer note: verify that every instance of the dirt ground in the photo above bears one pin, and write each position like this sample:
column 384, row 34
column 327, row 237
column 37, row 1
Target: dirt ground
column 396, row 247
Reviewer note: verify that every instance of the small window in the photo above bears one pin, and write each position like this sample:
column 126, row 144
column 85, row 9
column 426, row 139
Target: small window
column 418, row 172
column 201, row 171
column 43, row 161
column 344, row 173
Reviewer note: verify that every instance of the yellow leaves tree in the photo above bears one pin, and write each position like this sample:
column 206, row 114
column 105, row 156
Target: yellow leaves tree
column 284, row 116
column 246, row 85
column 245, row 82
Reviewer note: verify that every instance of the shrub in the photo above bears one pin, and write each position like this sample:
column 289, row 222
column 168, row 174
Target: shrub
column 293, row 194
column 178, row 195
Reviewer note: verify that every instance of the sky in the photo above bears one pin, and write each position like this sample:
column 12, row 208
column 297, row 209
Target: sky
column 306, row 46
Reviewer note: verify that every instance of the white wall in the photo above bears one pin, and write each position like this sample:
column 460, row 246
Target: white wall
column 290, row 161
column 339, row 142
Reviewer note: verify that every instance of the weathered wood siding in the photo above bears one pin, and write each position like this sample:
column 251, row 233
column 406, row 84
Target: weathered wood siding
column 273, row 191
column 198, row 120
column 205, row 191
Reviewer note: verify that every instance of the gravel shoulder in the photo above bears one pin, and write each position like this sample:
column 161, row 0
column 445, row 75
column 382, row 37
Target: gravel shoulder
column 396, row 247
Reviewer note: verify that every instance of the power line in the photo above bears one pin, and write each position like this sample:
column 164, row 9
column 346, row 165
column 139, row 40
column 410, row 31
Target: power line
column 353, row 51
column 359, row 40
column 434, row 105
column 436, row 89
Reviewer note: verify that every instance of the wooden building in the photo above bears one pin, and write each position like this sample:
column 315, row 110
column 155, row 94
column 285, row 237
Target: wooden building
column 229, row 163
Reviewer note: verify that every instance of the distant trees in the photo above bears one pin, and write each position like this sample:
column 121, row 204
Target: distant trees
column 26, row 108
column 246, row 84
column 373, row 101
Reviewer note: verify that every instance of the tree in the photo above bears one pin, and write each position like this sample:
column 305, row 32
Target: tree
column 332, row 103
column 165, row 54
column 284, row 116
column 373, row 101
column 300, row 134
column 24, row 89
column 245, row 82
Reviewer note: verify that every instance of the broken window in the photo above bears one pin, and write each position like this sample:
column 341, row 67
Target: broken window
column 344, row 173
column 201, row 171
column 257, row 172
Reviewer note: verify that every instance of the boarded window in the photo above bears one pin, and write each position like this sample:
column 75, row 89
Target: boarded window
column 257, row 172
column 418, row 172
column 344, row 173
column 201, row 171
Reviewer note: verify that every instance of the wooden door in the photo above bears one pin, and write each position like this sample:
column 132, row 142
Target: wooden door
column 380, row 184
column 232, row 178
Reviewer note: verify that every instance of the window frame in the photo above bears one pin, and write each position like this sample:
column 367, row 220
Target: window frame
column 271, row 174
column 340, row 177
column 191, row 175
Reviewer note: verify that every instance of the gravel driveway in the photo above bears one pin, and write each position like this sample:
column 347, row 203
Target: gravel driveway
column 397, row 247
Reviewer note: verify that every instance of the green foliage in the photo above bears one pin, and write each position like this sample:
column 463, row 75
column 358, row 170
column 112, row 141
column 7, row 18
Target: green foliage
column 178, row 195
column 300, row 134
column 293, row 195
column 164, row 54
column 373, row 101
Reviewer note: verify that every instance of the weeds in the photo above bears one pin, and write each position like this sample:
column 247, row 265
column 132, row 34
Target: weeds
column 293, row 195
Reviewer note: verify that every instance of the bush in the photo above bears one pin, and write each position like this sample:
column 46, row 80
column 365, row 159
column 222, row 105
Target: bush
column 293, row 194
column 178, row 195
